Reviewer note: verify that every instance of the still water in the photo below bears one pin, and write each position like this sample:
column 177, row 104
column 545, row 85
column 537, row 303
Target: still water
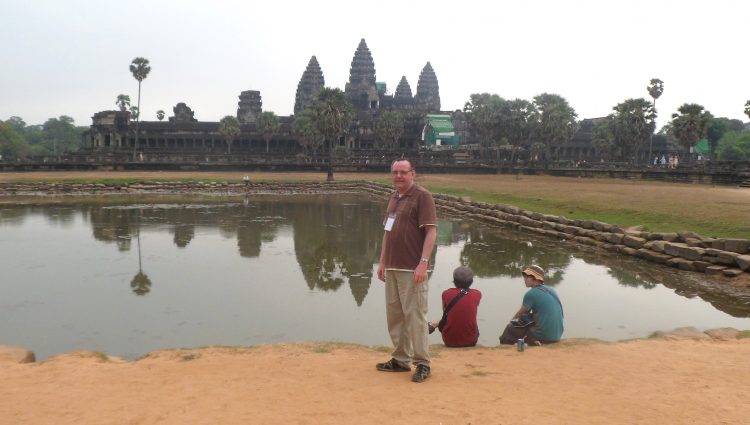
column 131, row 278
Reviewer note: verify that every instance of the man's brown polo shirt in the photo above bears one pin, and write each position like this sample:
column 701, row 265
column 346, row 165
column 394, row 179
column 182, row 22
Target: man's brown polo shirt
column 414, row 210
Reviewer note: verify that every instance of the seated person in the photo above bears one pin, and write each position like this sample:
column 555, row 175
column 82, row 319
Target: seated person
column 459, row 327
column 541, row 308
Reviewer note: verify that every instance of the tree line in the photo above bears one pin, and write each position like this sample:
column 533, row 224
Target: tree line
column 55, row 137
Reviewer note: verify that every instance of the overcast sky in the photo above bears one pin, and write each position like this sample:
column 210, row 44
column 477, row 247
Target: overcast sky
column 72, row 57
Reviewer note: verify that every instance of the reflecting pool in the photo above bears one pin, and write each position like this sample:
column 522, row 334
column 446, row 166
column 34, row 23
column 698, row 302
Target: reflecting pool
column 131, row 278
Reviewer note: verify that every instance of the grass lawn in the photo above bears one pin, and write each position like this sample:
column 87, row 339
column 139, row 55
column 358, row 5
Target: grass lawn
column 720, row 211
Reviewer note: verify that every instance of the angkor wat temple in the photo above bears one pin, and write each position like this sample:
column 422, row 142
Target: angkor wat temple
column 183, row 135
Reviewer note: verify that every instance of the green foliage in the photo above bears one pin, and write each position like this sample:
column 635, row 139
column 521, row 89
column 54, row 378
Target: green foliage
column 389, row 128
column 483, row 113
column 60, row 135
column 553, row 121
column 690, row 124
column 603, row 137
column 140, row 68
column 123, row 102
column 747, row 108
column 734, row 145
column 655, row 88
column 229, row 128
column 12, row 144
column 716, row 129
column 624, row 131
column 160, row 115
column 333, row 114
column 305, row 131
column 268, row 124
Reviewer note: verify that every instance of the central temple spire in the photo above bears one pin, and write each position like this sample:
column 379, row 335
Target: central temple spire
column 361, row 89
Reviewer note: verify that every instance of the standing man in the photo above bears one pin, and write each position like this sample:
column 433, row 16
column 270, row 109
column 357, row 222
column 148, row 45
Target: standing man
column 409, row 237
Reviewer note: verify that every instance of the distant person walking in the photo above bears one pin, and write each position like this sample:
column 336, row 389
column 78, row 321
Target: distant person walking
column 246, row 179
column 410, row 231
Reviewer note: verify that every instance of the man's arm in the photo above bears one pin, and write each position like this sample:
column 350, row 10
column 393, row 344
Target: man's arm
column 521, row 311
column 381, row 264
column 430, row 236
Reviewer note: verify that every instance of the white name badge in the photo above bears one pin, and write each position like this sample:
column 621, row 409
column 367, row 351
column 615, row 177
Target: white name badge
column 389, row 223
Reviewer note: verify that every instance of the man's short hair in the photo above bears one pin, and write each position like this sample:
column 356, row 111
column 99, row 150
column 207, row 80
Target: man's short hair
column 463, row 277
column 411, row 166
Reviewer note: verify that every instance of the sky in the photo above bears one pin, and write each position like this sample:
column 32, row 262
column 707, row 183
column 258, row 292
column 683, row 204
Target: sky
column 72, row 57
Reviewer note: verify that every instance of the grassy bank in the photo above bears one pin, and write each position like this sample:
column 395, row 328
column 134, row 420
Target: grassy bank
column 708, row 210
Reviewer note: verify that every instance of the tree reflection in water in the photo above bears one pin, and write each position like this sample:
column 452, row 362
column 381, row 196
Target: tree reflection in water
column 141, row 284
column 490, row 252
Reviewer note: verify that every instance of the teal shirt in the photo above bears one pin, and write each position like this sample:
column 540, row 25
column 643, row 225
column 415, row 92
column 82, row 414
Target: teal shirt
column 547, row 313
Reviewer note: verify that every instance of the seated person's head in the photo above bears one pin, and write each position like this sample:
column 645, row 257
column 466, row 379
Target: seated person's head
column 463, row 277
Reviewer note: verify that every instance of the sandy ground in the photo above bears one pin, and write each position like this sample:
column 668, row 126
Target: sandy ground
column 644, row 381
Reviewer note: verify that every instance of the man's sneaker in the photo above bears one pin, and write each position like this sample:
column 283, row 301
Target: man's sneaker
column 422, row 373
column 392, row 365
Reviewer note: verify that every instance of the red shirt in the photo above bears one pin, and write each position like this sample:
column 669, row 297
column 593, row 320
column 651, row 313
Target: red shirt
column 461, row 329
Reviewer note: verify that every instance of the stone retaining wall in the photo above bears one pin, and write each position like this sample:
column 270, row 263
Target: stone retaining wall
column 684, row 250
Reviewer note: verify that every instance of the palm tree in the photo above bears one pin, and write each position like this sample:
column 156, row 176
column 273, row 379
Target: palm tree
column 140, row 69
column 333, row 117
column 123, row 102
column 305, row 131
column 268, row 125
column 389, row 129
column 159, row 115
column 141, row 284
column 747, row 108
column 690, row 125
column 229, row 128
column 655, row 89
column 554, row 121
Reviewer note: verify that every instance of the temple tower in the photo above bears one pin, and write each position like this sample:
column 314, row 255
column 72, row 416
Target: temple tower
column 428, row 91
column 361, row 89
column 403, row 99
column 249, row 106
column 309, row 86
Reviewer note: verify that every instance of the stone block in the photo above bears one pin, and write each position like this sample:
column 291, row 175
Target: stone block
column 656, row 257
column 673, row 248
column 723, row 334
column 15, row 354
column 740, row 246
column 687, row 265
column 633, row 241
column 732, row 272
column 669, row 237
column 658, row 246
column 615, row 238
column 688, row 332
column 685, row 235
column 701, row 266
column 628, row 250
column 743, row 261
column 718, row 244
column 715, row 269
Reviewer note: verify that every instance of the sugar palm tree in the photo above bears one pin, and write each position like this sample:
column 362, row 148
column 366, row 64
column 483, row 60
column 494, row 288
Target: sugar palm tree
column 655, row 89
column 123, row 102
column 333, row 116
column 268, row 125
column 159, row 115
column 140, row 69
column 229, row 128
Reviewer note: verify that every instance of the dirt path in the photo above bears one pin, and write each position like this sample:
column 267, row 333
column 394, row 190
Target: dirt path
column 646, row 381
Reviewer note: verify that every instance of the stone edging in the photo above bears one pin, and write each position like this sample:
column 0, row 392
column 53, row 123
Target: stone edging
column 684, row 250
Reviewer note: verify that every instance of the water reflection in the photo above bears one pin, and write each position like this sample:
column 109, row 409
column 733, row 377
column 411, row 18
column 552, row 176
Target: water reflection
column 491, row 253
column 245, row 271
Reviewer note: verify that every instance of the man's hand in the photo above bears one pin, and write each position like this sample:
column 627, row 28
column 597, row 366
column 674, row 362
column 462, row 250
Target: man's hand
column 381, row 272
column 420, row 273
